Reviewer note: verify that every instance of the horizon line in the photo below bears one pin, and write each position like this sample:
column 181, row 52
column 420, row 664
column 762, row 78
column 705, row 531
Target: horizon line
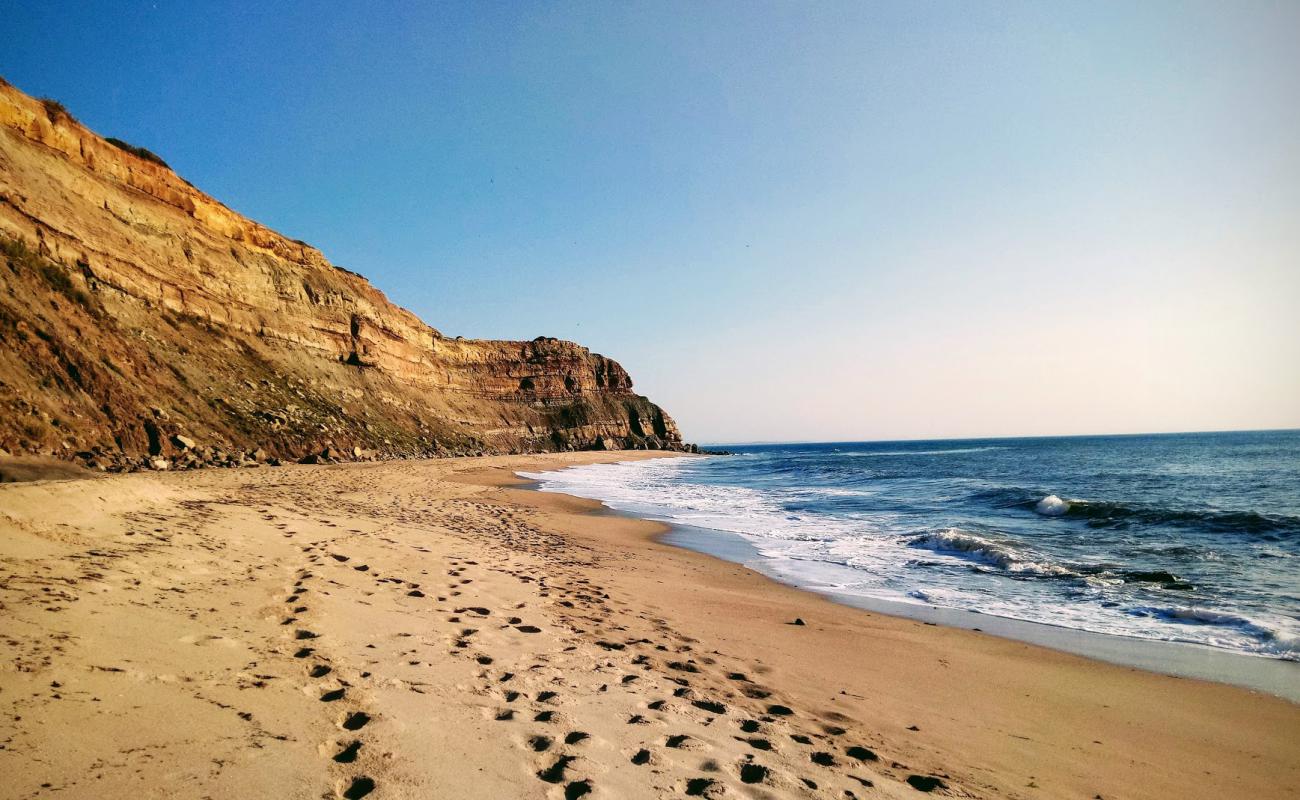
column 766, row 442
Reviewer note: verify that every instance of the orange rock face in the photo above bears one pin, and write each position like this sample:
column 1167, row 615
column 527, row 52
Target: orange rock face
column 133, row 308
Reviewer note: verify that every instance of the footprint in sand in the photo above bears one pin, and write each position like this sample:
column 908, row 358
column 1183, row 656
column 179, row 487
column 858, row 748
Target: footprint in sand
column 555, row 772
column 925, row 783
column 753, row 773
column 861, row 753
column 355, row 721
column 359, row 787
column 348, row 754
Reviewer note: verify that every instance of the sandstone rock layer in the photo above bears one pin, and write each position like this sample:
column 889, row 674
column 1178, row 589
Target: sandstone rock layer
column 137, row 314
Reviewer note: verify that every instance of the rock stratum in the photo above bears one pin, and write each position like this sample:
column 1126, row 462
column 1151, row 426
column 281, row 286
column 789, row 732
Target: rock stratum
column 143, row 323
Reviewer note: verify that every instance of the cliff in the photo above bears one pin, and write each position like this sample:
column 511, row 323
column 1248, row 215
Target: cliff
column 144, row 323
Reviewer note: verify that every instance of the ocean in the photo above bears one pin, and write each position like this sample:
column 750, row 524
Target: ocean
column 1191, row 538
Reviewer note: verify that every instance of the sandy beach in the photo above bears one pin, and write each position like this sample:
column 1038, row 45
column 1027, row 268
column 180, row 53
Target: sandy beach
column 432, row 629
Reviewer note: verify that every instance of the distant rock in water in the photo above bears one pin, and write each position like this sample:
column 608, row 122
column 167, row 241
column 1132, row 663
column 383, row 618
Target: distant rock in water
column 143, row 324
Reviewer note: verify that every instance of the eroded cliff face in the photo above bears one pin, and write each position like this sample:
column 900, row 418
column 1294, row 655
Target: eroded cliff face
column 140, row 317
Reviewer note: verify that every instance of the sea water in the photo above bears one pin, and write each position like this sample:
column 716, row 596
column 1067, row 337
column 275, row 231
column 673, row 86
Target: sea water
column 1182, row 537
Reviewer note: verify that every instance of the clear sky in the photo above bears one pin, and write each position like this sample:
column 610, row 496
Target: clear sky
column 789, row 221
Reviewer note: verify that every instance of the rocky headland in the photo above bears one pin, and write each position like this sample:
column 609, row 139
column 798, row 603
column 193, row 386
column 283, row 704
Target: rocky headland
column 143, row 324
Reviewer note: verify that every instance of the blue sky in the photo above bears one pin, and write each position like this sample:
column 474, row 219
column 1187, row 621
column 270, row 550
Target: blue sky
column 787, row 220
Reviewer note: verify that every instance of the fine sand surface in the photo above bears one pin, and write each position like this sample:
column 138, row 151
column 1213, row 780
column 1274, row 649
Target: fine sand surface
column 427, row 630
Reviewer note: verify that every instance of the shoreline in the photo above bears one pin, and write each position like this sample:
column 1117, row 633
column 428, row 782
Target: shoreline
column 407, row 629
column 1276, row 676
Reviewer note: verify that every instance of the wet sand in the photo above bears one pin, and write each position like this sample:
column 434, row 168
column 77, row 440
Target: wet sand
column 1269, row 675
column 430, row 629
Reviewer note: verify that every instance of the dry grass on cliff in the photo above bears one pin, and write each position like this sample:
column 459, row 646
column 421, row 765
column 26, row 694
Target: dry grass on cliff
column 54, row 110
column 139, row 152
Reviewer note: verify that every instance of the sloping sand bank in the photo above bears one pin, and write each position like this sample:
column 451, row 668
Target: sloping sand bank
column 425, row 629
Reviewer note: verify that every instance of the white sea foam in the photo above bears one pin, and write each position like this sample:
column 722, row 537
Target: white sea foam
column 875, row 555
column 876, row 453
column 978, row 548
column 1275, row 638
column 1052, row 506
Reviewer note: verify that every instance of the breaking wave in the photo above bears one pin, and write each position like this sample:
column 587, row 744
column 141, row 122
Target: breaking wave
column 1117, row 515
column 1191, row 539
column 986, row 551
column 1276, row 641
column 950, row 451
column 1102, row 514
column 1052, row 506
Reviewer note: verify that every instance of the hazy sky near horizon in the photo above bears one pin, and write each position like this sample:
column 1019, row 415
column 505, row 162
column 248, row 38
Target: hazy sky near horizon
column 789, row 221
